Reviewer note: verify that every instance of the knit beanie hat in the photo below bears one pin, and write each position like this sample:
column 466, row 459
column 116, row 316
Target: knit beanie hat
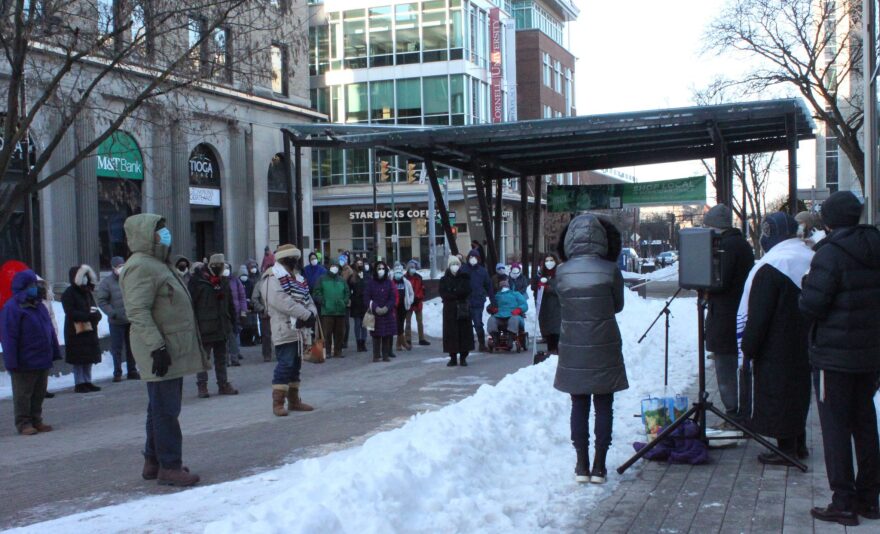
column 287, row 251
column 414, row 263
column 841, row 209
column 718, row 217
column 453, row 260
column 116, row 261
column 776, row 228
column 500, row 266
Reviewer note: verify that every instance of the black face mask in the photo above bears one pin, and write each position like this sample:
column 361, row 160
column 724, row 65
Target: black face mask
column 290, row 265
column 217, row 269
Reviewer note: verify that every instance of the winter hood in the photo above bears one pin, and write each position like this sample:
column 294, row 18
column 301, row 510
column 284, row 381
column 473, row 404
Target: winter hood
column 586, row 236
column 139, row 231
column 22, row 280
column 82, row 275
column 862, row 243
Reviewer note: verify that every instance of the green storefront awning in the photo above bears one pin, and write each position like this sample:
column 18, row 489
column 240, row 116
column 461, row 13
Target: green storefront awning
column 574, row 198
column 119, row 157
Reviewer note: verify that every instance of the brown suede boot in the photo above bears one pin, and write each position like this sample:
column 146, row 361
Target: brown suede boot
column 279, row 393
column 203, row 390
column 27, row 430
column 226, row 389
column 151, row 469
column 294, row 403
column 43, row 427
column 177, row 477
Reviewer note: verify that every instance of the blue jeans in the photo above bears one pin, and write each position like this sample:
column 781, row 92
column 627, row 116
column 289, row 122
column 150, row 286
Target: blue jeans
column 289, row 364
column 82, row 373
column 477, row 320
column 164, row 439
column 233, row 351
column 119, row 340
column 360, row 333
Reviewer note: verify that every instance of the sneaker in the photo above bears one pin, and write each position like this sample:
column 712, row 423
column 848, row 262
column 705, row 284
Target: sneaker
column 424, row 343
column 582, row 467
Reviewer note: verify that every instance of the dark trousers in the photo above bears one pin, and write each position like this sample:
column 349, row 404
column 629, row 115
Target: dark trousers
column 164, row 438
column 289, row 364
column 217, row 349
column 347, row 327
column 580, row 420
column 119, row 340
column 28, row 392
column 382, row 346
column 334, row 332
column 266, row 337
column 552, row 343
column 727, row 374
column 847, row 414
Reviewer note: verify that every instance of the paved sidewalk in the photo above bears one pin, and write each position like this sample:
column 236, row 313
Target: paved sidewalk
column 733, row 494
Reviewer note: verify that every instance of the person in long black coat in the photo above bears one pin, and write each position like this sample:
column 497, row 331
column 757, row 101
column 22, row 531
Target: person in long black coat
column 81, row 350
column 737, row 260
column 775, row 341
column 455, row 291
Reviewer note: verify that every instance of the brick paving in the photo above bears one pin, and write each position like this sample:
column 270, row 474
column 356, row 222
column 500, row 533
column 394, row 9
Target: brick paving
column 733, row 494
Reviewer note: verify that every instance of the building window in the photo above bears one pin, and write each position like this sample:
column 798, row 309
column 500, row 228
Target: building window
column 382, row 101
column 322, row 224
column 362, row 232
column 529, row 15
column 546, row 69
column 319, row 49
column 569, row 92
column 220, row 54
column 406, row 18
column 557, row 76
column 409, row 101
column 381, row 42
column 548, row 112
column 280, row 73
column 195, row 29
column 434, row 27
column 106, row 16
column 354, row 27
column 436, row 99
column 356, row 103
column 831, row 160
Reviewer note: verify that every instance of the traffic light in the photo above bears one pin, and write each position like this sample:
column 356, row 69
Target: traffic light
column 383, row 171
column 411, row 173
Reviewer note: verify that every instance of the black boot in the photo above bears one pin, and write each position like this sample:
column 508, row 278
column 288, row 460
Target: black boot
column 582, row 468
column 599, row 473
column 481, row 338
column 786, row 445
column 802, row 451
column 362, row 346
column 830, row 514
column 462, row 361
column 453, row 361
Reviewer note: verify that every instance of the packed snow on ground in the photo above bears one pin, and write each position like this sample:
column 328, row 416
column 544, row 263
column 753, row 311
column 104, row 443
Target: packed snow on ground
column 498, row 461
column 666, row 273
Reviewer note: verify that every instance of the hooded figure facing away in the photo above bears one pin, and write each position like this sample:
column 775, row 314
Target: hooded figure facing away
column 591, row 368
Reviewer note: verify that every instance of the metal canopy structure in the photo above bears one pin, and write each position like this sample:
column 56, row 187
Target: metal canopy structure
column 571, row 144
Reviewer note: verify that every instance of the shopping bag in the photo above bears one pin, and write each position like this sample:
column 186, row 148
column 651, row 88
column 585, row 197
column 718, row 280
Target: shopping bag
column 369, row 321
column 655, row 415
column 317, row 354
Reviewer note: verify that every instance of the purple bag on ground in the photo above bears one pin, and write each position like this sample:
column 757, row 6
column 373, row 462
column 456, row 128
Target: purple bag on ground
column 683, row 446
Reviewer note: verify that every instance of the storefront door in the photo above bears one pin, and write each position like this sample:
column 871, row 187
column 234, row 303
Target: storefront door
column 120, row 175
column 206, row 217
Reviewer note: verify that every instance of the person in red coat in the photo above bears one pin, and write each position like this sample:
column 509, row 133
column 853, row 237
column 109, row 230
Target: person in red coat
column 418, row 285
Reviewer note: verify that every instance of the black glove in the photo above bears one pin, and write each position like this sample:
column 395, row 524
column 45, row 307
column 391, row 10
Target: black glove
column 308, row 323
column 161, row 361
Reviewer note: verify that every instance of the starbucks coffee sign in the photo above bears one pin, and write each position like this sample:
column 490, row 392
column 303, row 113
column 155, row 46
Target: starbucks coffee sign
column 119, row 157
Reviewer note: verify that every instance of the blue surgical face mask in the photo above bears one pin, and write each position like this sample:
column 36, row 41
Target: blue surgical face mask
column 31, row 292
column 164, row 236
column 342, row 261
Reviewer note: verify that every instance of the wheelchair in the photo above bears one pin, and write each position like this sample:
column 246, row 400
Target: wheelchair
column 505, row 341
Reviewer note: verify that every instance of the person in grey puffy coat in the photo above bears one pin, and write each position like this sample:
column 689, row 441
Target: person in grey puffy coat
column 590, row 368
column 108, row 295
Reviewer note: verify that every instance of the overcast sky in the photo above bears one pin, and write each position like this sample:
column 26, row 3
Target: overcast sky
column 643, row 54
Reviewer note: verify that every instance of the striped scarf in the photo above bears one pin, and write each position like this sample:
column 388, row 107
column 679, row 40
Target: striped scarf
column 295, row 286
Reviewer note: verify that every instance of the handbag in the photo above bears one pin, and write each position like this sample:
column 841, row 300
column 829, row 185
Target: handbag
column 317, row 354
column 369, row 321
column 462, row 311
column 81, row 327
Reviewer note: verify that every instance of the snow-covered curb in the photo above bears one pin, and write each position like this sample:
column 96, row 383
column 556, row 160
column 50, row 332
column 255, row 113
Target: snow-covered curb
column 498, row 461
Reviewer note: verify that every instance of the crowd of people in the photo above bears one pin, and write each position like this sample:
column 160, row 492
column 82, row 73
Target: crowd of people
column 804, row 315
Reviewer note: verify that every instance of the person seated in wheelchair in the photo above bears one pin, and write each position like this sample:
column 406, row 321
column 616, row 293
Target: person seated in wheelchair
column 510, row 307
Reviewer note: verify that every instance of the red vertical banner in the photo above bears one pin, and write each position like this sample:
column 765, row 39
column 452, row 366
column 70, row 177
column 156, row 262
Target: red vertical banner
column 495, row 64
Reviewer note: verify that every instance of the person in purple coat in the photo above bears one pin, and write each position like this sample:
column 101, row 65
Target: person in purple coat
column 381, row 299
column 239, row 301
column 30, row 345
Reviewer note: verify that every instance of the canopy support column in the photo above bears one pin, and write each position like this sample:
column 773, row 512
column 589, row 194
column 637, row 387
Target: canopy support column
column 298, row 190
column 791, row 130
column 524, row 226
column 288, row 183
column 499, row 192
column 487, row 220
column 536, row 223
column 441, row 203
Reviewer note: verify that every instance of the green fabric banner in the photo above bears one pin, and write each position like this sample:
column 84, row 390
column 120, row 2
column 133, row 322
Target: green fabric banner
column 119, row 157
column 574, row 198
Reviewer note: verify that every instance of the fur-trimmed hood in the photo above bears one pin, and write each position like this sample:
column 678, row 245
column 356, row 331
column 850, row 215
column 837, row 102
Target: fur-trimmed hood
column 82, row 275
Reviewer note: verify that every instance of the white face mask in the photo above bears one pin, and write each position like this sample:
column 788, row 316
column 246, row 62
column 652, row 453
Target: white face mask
column 473, row 261
column 381, row 273
column 412, row 270
column 366, row 268
column 182, row 270
column 253, row 270
column 361, row 274
column 514, row 274
column 334, row 269
column 454, row 268
column 503, row 289
column 243, row 278
column 117, row 270
column 226, row 272
column 550, row 264
column 313, row 262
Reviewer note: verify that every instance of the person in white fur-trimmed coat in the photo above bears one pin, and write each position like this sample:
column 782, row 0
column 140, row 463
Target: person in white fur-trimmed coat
column 81, row 317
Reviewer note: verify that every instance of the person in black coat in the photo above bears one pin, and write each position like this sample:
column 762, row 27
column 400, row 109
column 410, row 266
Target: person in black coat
column 455, row 291
column 737, row 260
column 774, row 340
column 358, row 309
column 841, row 297
column 215, row 312
column 81, row 318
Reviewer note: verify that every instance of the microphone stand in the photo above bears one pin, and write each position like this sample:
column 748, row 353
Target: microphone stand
column 667, row 312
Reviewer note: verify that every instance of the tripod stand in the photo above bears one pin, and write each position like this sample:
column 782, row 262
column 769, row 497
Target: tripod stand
column 699, row 409
column 667, row 312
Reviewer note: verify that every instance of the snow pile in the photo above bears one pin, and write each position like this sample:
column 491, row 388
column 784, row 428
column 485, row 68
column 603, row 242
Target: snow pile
column 498, row 461
column 101, row 371
column 666, row 274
